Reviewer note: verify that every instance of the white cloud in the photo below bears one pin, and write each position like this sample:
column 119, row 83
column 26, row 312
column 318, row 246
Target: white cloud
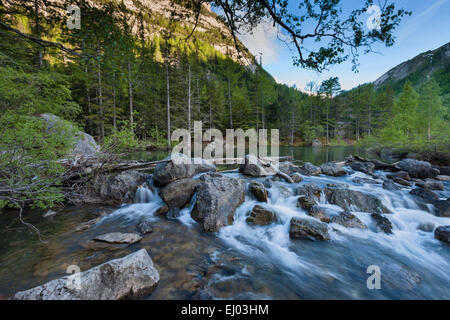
column 263, row 39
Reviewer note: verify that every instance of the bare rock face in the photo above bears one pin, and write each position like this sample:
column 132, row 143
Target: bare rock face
column 351, row 200
column 418, row 169
column 218, row 197
column 130, row 277
column 255, row 168
column 178, row 193
column 303, row 228
column 333, row 169
column 181, row 167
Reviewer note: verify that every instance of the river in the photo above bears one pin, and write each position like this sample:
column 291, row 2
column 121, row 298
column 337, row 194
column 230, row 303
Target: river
column 243, row 261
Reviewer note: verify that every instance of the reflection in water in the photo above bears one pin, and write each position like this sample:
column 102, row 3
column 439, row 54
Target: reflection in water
column 243, row 261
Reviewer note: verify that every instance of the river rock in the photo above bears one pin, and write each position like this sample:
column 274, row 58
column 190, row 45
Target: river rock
column 442, row 233
column 261, row 216
column 218, row 196
column 162, row 210
column 131, row 277
column 116, row 189
column 425, row 194
column 319, row 213
column 84, row 144
column 119, row 238
column 181, row 167
column 287, row 167
column 443, row 178
column 310, row 190
column 351, row 200
column 253, row 167
column 363, row 181
column 333, row 169
column 49, row 213
column 296, row 177
column 366, row 167
column 431, row 184
column 178, row 193
column 382, row 223
column 401, row 181
column 442, row 208
column 400, row 174
column 426, row 226
column 317, row 144
column 304, row 228
column 259, row 191
column 306, row 202
column 348, row 220
column 390, row 185
column 308, row 169
column 418, row 169
column 144, row 227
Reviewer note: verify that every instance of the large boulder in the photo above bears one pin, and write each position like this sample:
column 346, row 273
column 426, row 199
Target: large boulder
column 308, row 169
column 431, row 184
column 84, row 144
column 316, row 144
column 333, row 169
column 261, row 216
column 254, row 167
column 319, row 213
column 418, row 169
column 177, row 194
column 133, row 276
column 306, row 202
column 307, row 228
column 259, row 191
column 218, row 197
column 348, row 220
column 114, row 188
column 180, row 167
column 442, row 234
column 351, row 200
column 442, row 208
column 366, row 167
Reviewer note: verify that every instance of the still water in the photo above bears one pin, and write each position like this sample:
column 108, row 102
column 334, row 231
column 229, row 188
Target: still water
column 243, row 261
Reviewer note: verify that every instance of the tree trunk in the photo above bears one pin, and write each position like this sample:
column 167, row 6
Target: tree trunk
column 100, row 105
column 130, row 93
column 88, row 101
column 168, row 104
column 189, row 97
column 114, row 102
column 39, row 57
column 229, row 103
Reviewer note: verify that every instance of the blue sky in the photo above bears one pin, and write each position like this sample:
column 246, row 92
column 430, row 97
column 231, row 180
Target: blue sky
column 426, row 29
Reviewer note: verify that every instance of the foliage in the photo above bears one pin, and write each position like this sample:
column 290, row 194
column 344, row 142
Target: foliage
column 122, row 139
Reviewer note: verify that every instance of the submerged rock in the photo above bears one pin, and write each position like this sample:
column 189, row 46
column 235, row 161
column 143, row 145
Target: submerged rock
column 261, row 216
column 390, row 185
column 181, row 167
column 418, row 169
column 308, row 169
column 119, row 238
column 362, row 181
column 426, row 226
column 333, row 169
column 144, row 227
column 425, row 194
column 303, row 228
column 218, row 197
column 162, row 210
column 399, row 277
column 178, row 193
column 351, row 200
column 259, row 191
column 130, row 277
column 318, row 213
column 306, row 202
column 348, row 220
column 382, row 223
column 442, row 233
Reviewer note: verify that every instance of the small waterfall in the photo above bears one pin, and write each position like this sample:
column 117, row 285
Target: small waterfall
column 143, row 195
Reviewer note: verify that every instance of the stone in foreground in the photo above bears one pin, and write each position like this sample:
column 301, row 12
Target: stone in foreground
column 301, row 228
column 261, row 216
column 254, row 167
column 218, row 197
column 351, row 200
column 130, row 277
column 348, row 220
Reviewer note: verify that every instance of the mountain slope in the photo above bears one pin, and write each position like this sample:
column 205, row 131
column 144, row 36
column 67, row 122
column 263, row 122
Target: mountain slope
column 433, row 63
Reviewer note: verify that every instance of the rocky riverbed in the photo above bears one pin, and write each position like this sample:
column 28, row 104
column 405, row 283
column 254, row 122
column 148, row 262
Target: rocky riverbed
column 300, row 232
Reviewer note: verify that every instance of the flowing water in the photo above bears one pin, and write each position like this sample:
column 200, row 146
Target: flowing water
column 243, row 261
